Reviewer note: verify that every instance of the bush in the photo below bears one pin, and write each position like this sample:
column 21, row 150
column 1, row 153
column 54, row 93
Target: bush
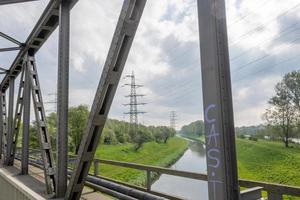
column 252, row 138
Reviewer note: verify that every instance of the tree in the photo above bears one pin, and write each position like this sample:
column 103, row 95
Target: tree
column 282, row 114
column 78, row 117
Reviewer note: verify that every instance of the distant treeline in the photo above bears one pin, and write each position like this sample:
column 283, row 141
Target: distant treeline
column 114, row 132
column 193, row 130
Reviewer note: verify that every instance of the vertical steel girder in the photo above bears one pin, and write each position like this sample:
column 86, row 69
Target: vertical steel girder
column 122, row 40
column 43, row 135
column 63, row 100
column 10, row 117
column 26, row 122
column 217, row 96
column 16, row 122
column 1, row 125
column 4, row 122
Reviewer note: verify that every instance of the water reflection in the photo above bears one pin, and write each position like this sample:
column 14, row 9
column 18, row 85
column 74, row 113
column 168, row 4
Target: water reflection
column 193, row 160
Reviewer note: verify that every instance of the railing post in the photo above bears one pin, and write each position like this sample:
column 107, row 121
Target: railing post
column 148, row 179
column 274, row 196
column 96, row 168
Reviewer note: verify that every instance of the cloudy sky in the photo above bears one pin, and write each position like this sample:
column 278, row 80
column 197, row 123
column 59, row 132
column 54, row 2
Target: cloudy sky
column 264, row 44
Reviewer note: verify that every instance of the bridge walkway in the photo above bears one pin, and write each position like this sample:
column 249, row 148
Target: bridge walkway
column 34, row 184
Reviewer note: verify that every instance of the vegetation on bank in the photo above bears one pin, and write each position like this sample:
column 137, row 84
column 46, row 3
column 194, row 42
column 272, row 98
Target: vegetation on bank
column 268, row 161
column 114, row 132
column 193, row 131
column 152, row 153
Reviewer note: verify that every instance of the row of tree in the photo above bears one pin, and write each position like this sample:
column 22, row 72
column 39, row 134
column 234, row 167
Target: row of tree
column 114, row 132
column 194, row 129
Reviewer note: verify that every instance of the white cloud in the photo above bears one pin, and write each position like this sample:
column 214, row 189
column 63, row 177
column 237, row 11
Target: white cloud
column 170, row 72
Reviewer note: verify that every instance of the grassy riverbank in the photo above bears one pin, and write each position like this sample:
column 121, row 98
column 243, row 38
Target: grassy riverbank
column 152, row 153
column 268, row 161
column 196, row 138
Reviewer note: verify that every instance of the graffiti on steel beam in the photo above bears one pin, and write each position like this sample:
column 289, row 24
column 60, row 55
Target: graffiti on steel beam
column 213, row 147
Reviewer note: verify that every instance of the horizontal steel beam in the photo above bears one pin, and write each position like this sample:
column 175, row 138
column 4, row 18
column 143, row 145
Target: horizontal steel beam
column 3, row 2
column 10, row 49
column 45, row 26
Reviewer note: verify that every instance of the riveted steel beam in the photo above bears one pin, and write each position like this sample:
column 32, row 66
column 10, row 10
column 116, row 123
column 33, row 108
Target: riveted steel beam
column 63, row 100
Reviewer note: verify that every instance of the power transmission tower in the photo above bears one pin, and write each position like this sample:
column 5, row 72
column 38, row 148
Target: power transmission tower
column 173, row 118
column 133, row 103
column 52, row 102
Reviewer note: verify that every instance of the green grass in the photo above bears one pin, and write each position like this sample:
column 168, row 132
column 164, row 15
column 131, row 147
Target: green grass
column 151, row 153
column 268, row 161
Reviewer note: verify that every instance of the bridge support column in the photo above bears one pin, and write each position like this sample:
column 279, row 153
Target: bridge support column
column 26, row 121
column 10, row 119
column 218, row 109
column 1, row 124
column 63, row 99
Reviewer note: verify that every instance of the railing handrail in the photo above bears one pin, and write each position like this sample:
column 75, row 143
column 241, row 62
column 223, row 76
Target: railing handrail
column 270, row 187
column 274, row 188
column 185, row 174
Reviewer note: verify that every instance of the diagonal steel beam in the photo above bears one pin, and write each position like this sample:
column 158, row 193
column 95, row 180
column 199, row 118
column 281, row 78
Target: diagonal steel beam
column 10, row 39
column 45, row 26
column 121, row 43
column 4, row 2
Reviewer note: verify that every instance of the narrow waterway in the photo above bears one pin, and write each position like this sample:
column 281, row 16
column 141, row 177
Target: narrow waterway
column 193, row 160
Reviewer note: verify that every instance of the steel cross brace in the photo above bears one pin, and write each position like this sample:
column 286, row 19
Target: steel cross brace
column 4, row 2
column 122, row 40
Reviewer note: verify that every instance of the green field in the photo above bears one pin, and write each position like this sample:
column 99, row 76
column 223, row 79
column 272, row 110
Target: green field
column 152, row 153
column 268, row 161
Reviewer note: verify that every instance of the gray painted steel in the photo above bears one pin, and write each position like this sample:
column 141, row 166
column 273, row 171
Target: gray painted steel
column 45, row 26
column 122, row 40
column 4, row 128
column 10, row 118
column 43, row 135
column 218, row 111
column 13, row 139
column 26, row 122
column 10, row 49
column 63, row 100
column 251, row 194
column 10, row 38
column 1, row 125
column 3, row 2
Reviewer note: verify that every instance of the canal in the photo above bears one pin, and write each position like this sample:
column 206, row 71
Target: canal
column 193, row 160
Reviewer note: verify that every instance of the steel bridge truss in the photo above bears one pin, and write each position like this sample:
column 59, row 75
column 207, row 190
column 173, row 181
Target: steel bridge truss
column 222, row 170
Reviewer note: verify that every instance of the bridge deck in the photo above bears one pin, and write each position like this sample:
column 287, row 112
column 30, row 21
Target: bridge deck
column 34, row 184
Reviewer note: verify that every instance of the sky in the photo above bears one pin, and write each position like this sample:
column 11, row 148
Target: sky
column 264, row 44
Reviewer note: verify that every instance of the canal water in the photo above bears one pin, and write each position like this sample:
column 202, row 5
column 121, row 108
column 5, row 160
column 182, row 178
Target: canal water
column 193, row 160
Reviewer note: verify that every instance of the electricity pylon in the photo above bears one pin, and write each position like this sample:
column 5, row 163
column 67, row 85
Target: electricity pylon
column 133, row 103
column 173, row 118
